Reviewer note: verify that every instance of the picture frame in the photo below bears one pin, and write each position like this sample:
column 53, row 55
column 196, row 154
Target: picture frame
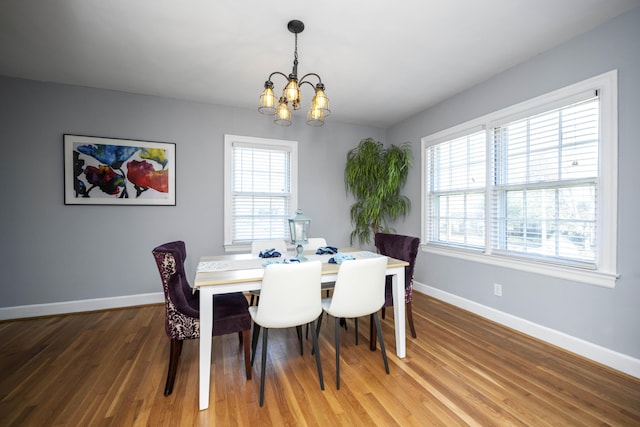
column 111, row 171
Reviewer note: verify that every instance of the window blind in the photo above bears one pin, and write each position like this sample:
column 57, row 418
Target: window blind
column 456, row 191
column 545, row 184
column 261, row 192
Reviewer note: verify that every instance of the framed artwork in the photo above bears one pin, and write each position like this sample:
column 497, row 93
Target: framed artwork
column 109, row 171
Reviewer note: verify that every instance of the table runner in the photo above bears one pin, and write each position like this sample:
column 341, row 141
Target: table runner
column 254, row 263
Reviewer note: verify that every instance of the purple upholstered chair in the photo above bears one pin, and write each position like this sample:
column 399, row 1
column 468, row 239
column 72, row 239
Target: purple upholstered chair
column 404, row 248
column 182, row 305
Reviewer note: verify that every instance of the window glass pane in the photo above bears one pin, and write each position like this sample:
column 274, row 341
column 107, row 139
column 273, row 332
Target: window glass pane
column 457, row 170
column 557, row 145
column 577, row 223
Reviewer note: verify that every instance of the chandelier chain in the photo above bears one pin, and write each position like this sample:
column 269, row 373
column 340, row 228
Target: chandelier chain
column 295, row 56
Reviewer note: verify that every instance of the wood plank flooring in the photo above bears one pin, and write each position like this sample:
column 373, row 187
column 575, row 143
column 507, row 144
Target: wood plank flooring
column 108, row 369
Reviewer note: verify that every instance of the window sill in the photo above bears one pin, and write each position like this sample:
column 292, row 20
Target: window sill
column 596, row 278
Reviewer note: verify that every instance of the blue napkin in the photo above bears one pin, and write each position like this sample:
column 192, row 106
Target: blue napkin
column 327, row 250
column 276, row 261
column 270, row 253
column 339, row 257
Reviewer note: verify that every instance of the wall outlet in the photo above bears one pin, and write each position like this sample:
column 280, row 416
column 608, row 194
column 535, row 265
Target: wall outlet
column 497, row 289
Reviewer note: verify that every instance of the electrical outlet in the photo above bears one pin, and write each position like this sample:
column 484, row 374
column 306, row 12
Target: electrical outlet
column 497, row 289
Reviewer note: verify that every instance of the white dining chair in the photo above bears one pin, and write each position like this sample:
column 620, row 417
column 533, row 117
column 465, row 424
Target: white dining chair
column 313, row 243
column 258, row 246
column 290, row 296
column 359, row 291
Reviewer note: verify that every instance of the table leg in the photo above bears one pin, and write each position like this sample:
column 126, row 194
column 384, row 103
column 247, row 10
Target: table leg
column 206, row 325
column 397, row 281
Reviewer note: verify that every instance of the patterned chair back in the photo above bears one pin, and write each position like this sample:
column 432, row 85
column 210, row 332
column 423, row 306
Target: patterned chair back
column 181, row 302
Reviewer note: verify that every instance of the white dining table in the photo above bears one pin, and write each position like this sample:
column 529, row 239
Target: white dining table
column 243, row 272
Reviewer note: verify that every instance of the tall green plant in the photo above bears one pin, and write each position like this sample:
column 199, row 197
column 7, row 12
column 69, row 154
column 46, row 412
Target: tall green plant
column 375, row 176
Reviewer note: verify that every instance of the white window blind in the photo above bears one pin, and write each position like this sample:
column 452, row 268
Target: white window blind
column 456, row 191
column 546, row 184
column 260, row 189
column 549, row 190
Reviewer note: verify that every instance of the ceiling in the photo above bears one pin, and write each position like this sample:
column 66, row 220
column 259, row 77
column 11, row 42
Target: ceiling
column 381, row 61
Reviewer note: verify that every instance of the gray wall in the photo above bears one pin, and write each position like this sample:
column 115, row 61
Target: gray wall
column 607, row 317
column 56, row 253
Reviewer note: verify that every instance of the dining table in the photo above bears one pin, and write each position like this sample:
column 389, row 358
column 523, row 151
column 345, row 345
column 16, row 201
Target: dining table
column 221, row 274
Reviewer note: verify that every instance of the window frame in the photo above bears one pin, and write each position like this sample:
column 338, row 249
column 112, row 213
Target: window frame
column 605, row 273
column 260, row 143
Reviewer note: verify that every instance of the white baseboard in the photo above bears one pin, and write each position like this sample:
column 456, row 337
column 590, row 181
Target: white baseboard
column 66, row 307
column 605, row 356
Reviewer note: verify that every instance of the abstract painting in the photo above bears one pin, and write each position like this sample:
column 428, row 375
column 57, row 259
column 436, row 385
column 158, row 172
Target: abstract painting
column 109, row 171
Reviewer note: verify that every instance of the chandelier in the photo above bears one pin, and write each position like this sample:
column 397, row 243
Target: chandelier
column 319, row 108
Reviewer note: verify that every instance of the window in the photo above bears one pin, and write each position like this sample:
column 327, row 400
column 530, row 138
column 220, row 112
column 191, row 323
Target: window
column 260, row 189
column 531, row 187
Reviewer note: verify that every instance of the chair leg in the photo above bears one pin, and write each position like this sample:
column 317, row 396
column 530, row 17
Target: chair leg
column 319, row 324
column 381, row 339
column 410, row 317
column 174, row 356
column 383, row 312
column 343, row 323
column 318, row 329
column 299, row 332
column 245, row 345
column 337, row 353
column 355, row 321
column 372, row 334
column 264, row 364
column 316, row 350
column 254, row 341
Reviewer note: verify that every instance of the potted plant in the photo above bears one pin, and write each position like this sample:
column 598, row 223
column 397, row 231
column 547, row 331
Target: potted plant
column 375, row 176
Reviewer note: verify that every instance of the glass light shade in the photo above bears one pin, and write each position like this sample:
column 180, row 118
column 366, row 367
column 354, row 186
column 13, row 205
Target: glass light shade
column 299, row 228
column 315, row 116
column 321, row 102
column 292, row 93
column 283, row 114
column 267, row 103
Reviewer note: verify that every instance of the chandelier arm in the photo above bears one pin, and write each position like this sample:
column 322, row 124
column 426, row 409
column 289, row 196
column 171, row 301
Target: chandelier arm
column 278, row 72
column 307, row 82
column 310, row 74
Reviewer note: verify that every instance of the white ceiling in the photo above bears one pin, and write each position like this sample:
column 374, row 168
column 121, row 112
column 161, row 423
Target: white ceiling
column 381, row 61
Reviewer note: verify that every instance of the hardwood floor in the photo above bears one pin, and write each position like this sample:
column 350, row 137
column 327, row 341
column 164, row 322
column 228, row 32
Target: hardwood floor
column 108, row 368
